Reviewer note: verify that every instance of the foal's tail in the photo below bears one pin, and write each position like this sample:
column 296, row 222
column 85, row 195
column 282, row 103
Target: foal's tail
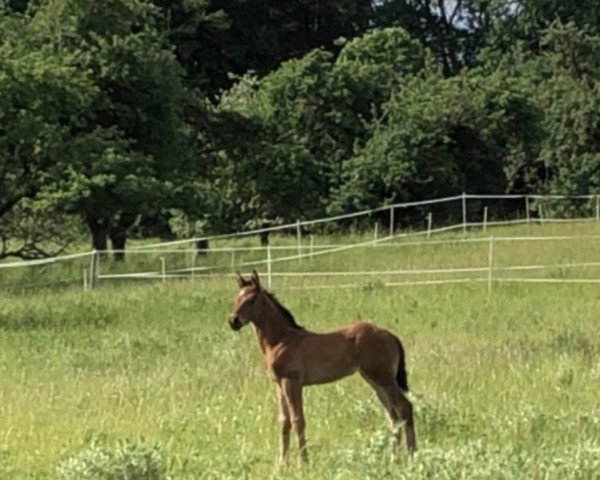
column 401, row 375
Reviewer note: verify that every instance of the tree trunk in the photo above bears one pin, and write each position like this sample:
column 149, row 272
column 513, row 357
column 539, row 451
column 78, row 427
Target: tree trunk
column 99, row 231
column 201, row 247
column 264, row 238
column 118, row 236
column 117, row 240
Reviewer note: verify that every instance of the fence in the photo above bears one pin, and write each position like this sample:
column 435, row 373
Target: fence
column 534, row 208
column 304, row 262
column 470, row 260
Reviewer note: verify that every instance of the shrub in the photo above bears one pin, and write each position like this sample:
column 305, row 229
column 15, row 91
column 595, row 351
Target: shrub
column 129, row 461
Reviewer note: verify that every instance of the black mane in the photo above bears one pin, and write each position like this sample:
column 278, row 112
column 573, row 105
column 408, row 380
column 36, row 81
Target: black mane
column 284, row 311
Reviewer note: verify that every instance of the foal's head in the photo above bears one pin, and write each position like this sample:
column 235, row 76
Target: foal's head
column 246, row 302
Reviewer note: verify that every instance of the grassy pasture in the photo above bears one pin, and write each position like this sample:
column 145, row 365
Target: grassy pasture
column 505, row 386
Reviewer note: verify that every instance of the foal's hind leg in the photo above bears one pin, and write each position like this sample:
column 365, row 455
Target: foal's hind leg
column 404, row 409
column 383, row 398
column 386, row 402
column 395, row 402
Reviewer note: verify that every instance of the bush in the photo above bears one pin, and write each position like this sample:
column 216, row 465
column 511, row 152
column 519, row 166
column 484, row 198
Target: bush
column 129, row 461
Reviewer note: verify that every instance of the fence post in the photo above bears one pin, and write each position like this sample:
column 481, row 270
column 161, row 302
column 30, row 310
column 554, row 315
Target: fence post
column 299, row 238
column 194, row 254
column 85, row 280
column 541, row 213
column 92, row 268
column 312, row 244
column 269, row 282
column 392, row 226
column 97, row 268
column 429, row 223
column 464, row 212
column 485, row 218
column 490, row 264
column 163, row 270
column 375, row 233
column 597, row 208
column 527, row 208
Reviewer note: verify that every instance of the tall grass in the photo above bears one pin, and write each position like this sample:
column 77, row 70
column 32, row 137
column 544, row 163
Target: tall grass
column 505, row 386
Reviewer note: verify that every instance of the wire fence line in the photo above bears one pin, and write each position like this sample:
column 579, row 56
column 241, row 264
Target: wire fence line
column 483, row 273
column 316, row 247
column 44, row 261
column 464, row 197
column 303, row 223
column 92, row 268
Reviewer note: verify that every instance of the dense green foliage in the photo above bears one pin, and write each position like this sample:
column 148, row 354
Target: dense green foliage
column 127, row 117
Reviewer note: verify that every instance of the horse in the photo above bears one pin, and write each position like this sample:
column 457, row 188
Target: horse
column 295, row 357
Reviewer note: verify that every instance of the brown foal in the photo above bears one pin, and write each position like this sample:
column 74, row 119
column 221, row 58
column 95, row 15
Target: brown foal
column 295, row 357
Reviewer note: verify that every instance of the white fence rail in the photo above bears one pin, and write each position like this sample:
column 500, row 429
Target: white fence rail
column 277, row 264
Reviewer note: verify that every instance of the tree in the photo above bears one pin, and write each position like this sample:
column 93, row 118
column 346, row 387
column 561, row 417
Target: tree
column 33, row 230
column 131, row 143
column 308, row 117
column 569, row 95
column 439, row 137
column 43, row 98
column 217, row 40
column 454, row 30
column 525, row 21
column 562, row 74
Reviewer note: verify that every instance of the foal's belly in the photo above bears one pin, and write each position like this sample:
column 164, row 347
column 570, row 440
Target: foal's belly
column 327, row 358
column 324, row 375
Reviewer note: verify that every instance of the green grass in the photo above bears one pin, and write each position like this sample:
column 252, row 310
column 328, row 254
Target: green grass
column 505, row 386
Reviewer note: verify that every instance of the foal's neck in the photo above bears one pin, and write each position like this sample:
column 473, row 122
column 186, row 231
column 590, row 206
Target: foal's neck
column 272, row 327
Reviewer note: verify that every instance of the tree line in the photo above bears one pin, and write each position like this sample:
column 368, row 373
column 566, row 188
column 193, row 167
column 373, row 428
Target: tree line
column 169, row 118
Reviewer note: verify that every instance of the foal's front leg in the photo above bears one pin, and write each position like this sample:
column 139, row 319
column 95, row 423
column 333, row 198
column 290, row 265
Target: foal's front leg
column 285, row 422
column 292, row 391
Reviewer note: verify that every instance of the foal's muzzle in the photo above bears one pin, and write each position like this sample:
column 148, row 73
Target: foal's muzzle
column 235, row 323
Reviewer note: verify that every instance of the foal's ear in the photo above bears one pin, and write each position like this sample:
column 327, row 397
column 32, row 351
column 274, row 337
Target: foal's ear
column 254, row 280
column 241, row 281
